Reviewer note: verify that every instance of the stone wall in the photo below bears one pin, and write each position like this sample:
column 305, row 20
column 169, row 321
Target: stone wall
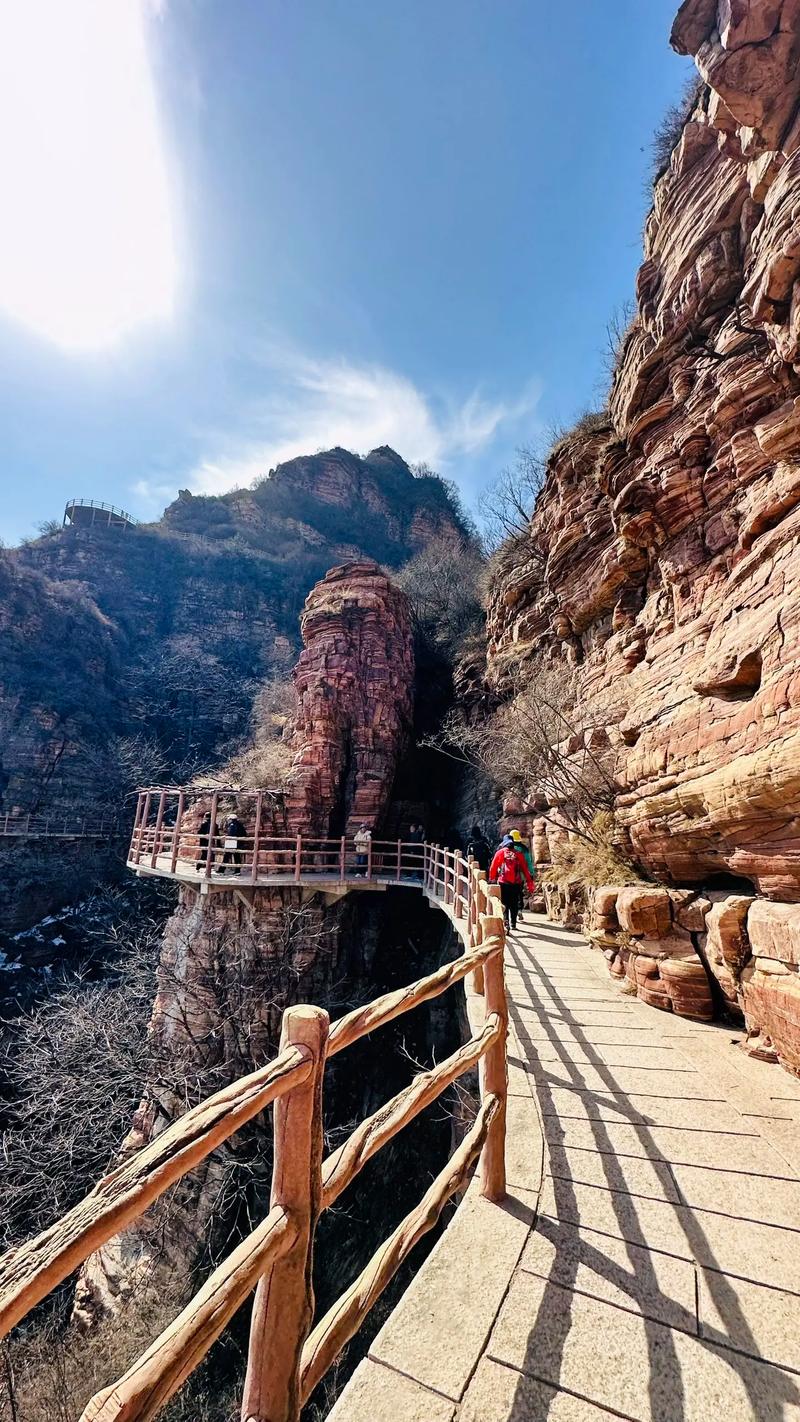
column 663, row 558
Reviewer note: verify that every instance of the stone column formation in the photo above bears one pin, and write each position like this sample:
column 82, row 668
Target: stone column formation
column 354, row 683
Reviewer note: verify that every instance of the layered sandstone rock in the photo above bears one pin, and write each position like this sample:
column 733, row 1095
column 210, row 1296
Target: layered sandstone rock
column 354, row 683
column 644, row 934
column 663, row 558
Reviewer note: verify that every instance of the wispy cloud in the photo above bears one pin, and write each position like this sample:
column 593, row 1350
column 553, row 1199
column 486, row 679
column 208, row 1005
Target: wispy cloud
column 315, row 404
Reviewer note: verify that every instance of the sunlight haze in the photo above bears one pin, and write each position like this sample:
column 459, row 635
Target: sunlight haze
column 86, row 245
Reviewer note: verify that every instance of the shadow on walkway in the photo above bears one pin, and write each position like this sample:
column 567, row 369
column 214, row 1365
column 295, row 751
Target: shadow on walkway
column 664, row 1388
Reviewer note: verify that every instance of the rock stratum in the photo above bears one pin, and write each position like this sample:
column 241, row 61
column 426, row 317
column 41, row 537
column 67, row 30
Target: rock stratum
column 662, row 561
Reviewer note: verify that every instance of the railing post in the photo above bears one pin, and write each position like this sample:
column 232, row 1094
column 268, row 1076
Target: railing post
column 177, row 832
column 159, row 822
column 143, row 825
column 257, row 835
column 284, row 1302
column 298, row 856
column 369, row 858
column 343, row 858
column 494, row 1080
column 212, row 831
column 399, row 859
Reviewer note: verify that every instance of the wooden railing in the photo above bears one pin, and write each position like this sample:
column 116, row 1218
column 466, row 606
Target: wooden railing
column 59, row 827
column 182, row 834
column 287, row 1356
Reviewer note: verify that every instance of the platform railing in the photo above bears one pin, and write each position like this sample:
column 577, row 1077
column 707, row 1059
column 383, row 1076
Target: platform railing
column 16, row 826
column 182, row 834
column 98, row 505
column 288, row 1356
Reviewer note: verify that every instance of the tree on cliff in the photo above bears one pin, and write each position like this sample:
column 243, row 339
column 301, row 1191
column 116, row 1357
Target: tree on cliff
column 544, row 745
column 509, row 502
column 442, row 584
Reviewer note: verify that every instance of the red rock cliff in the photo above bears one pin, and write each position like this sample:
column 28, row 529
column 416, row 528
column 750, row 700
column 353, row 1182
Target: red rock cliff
column 663, row 558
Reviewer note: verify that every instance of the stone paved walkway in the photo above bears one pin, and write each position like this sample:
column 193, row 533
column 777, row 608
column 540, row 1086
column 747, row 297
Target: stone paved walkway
column 657, row 1277
column 662, row 1280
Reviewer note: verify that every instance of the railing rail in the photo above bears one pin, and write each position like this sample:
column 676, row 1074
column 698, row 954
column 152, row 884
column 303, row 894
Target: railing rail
column 54, row 826
column 287, row 1356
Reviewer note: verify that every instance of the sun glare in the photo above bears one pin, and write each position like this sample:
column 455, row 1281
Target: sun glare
column 86, row 234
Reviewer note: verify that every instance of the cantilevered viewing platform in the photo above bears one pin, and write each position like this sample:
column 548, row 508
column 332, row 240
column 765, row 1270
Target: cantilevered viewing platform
column 90, row 513
column 184, row 834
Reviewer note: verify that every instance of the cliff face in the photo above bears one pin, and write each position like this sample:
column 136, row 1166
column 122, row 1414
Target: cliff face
column 663, row 558
column 135, row 656
column 232, row 962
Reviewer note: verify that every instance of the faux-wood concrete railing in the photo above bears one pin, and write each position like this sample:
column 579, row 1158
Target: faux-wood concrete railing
column 287, row 1357
column 181, row 834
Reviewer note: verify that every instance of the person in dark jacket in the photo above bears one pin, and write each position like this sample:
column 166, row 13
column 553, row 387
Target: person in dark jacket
column 203, row 833
column 479, row 848
column 234, row 831
column 416, row 837
column 509, row 870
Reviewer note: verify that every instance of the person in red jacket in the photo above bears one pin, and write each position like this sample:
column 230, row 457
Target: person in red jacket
column 509, row 870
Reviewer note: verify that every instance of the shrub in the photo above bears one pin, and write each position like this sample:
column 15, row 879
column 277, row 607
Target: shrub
column 668, row 133
column 591, row 861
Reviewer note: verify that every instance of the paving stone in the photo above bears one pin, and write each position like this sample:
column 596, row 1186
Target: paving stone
column 640, row 1054
column 620, row 1036
column 643, row 1280
column 614, row 1172
column 688, row 1147
column 686, row 1085
column 763, row 1253
column 501, row 1394
column 632, row 1365
column 379, row 1394
column 640, row 1109
column 438, row 1330
column 761, row 1321
column 767, row 1199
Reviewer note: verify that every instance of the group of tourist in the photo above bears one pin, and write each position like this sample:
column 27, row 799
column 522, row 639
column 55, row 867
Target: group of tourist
column 511, row 866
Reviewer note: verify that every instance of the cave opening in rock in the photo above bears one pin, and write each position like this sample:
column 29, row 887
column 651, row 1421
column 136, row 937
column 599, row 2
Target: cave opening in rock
column 725, row 882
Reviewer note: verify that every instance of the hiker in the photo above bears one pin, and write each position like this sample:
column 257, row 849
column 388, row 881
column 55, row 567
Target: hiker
column 478, row 848
column 508, row 869
column 519, row 843
column 234, row 831
column 203, row 835
column 362, row 839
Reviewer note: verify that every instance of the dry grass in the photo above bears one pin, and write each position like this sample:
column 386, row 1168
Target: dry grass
column 50, row 1372
column 591, row 862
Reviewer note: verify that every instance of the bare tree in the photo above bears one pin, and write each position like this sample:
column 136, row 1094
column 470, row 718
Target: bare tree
column 510, row 500
column 545, row 744
column 442, row 585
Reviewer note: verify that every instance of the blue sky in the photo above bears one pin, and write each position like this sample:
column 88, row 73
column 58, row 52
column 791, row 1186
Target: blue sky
column 395, row 221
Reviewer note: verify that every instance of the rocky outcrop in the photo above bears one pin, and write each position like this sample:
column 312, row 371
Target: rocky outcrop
column 232, row 962
column 663, row 558
column 354, row 683
column 648, row 937
column 132, row 657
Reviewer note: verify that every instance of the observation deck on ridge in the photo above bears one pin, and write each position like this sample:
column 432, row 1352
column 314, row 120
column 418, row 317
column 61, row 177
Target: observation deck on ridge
column 91, row 513
column 168, row 841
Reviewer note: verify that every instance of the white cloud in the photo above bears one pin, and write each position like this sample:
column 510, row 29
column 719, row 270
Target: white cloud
column 316, row 404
